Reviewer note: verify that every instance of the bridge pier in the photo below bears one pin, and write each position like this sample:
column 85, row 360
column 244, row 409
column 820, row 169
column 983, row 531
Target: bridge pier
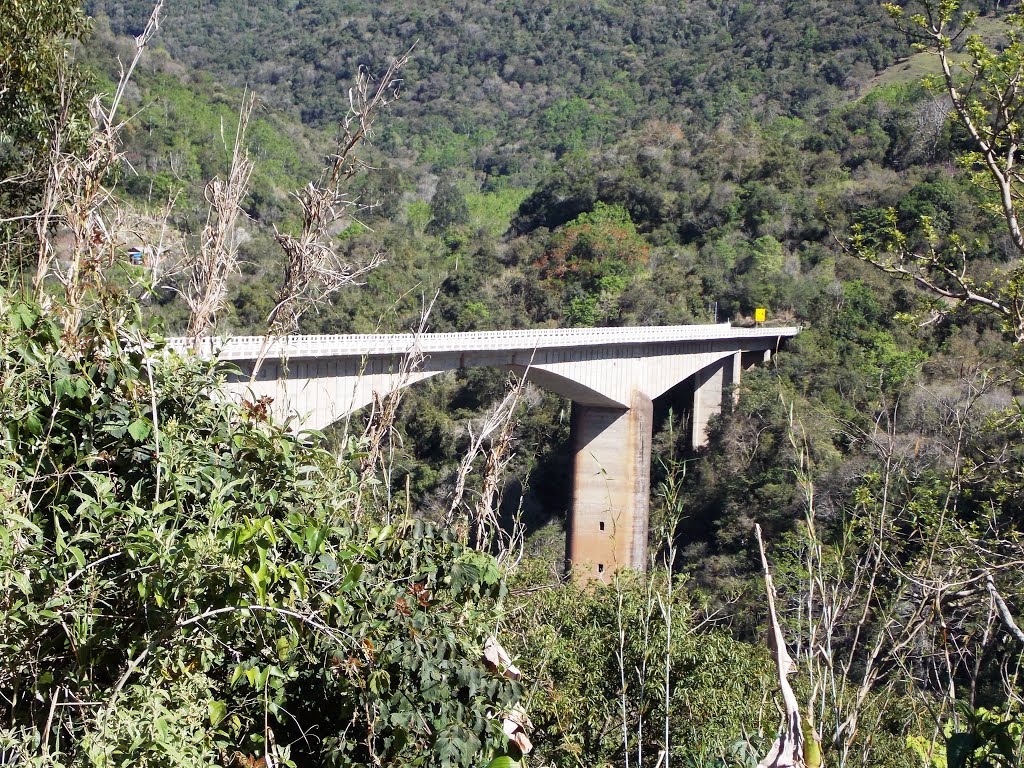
column 709, row 387
column 611, row 488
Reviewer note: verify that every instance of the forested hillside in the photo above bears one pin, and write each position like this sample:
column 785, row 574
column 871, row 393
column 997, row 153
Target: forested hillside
column 187, row 583
column 495, row 84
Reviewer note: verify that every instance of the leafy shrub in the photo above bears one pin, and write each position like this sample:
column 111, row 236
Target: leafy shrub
column 182, row 582
column 716, row 684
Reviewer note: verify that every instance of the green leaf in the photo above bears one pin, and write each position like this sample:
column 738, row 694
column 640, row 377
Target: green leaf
column 78, row 555
column 355, row 573
column 218, row 711
column 284, row 647
column 379, row 681
column 140, row 429
column 959, row 747
column 32, row 424
column 25, row 316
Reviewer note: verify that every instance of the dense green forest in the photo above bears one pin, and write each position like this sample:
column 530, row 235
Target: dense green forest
column 493, row 85
column 186, row 582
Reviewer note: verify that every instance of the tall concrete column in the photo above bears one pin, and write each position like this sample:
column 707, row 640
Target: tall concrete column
column 735, row 376
column 709, row 388
column 611, row 488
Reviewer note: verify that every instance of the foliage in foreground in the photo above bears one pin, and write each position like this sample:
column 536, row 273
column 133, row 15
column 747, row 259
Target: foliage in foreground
column 589, row 678
column 181, row 582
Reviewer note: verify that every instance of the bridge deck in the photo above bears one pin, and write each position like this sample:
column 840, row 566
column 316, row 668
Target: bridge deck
column 332, row 345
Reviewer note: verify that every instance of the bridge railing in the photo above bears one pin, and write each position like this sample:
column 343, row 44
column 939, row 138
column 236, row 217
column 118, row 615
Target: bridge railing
column 246, row 347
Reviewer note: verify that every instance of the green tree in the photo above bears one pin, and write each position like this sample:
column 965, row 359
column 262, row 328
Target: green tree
column 447, row 207
column 983, row 88
column 982, row 84
column 584, row 714
column 38, row 79
column 767, row 257
column 196, row 574
column 574, row 124
column 592, row 260
column 42, row 106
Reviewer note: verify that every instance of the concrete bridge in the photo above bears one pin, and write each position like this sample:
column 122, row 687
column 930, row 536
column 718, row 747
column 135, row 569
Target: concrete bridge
column 611, row 375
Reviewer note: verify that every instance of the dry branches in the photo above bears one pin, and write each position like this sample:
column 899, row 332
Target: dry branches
column 897, row 601
column 944, row 272
column 379, row 436
column 75, row 196
column 987, row 101
column 218, row 250
column 478, row 522
column 1003, row 610
column 788, row 749
column 312, row 268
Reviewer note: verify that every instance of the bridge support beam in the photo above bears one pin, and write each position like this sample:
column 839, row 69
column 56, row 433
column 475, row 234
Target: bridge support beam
column 709, row 387
column 611, row 488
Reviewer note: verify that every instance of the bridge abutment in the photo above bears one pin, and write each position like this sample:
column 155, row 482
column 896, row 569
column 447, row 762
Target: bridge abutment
column 611, row 488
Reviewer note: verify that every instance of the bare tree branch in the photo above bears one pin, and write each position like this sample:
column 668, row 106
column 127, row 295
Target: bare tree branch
column 313, row 270
column 218, row 250
column 1004, row 610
